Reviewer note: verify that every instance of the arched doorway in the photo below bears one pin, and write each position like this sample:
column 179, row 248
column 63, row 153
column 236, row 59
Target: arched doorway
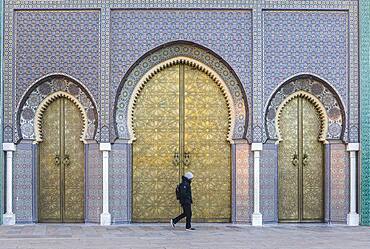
column 181, row 123
column 302, row 127
column 61, row 162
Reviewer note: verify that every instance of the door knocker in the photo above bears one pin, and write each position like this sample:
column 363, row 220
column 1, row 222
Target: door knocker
column 295, row 160
column 305, row 159
column 57, row 160
column 176, row 159
column 186, row 158
column 66, row 160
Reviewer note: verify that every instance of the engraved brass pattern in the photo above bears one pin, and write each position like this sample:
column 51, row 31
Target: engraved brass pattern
column 156, row 158
column 181, row 124
column 206, row 127
column 313, row 165
column 289, row 163
column 301, row 162
column 61, row 169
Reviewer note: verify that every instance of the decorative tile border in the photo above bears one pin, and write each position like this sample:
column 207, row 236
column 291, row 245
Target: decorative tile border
column 45, row 88
column 330, row 100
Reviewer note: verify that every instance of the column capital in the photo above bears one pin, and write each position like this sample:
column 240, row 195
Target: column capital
column 105, row 146
column 9, row 146
column 353, row 146
column 257, row 146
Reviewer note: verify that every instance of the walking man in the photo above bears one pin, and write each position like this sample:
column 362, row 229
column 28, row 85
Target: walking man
column 185, row 200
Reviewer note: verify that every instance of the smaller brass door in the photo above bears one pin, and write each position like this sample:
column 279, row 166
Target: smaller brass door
column 61, row 164
column 301, row 164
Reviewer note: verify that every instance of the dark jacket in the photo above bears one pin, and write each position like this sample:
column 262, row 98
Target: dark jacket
column 185, row 192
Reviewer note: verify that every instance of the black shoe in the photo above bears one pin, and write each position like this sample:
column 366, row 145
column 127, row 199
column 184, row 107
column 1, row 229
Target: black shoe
column 172, row 224
column 190, row 229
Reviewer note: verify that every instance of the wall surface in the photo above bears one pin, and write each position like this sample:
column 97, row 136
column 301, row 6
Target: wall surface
column 98, row 45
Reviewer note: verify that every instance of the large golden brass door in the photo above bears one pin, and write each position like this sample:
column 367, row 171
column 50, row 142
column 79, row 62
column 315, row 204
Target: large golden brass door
column 61, row 168
column 301, row 164
column 181, row 124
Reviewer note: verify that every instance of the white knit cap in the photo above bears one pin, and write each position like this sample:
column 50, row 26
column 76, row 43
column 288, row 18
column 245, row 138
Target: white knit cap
column 189, row 175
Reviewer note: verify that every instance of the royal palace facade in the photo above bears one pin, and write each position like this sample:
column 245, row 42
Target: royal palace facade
column 107, row 103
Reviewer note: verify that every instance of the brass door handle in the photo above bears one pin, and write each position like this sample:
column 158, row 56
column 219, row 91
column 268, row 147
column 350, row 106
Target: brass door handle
column 187, row 159
column 305, row 159
column 295, row 160
column 57, row 160
column 176, row 159
column 66, row 160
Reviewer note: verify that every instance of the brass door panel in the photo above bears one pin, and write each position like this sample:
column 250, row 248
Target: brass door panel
column 301, row 179
column 181, row 124
column 49, row 167
column 73, row 164
column 312, row 164
column 156, row 124
column 288, row 163
column 61, row 167
column 205, row 130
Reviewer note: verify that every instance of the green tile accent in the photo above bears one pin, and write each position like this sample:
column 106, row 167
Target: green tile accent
column 365, row 110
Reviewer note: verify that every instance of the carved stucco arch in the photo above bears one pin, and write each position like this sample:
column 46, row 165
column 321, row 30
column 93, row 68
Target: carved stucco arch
column 45, row 104
column 319, row 89
column 318, row 106
column 180, row 52
column 52, row 85
column 190, row 62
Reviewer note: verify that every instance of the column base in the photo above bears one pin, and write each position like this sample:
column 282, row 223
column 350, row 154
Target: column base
column 9, row 219
column 257, row 219
column 105, row 219
column 353, row 219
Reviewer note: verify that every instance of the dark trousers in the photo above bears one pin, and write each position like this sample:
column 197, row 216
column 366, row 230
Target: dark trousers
column 186, row 213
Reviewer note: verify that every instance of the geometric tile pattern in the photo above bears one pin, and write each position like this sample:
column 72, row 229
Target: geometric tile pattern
column 243, row 207
column 339, row 183
column 268, row 182
column 24, row 183
column 311, row 42
column 118, row 183
column 57, row 42
column 365, row 111
column 94, row 183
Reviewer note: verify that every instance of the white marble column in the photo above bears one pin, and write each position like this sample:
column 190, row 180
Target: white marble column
column 9, row 216
column 353, row 219
column 256, row 216
column 105, row 217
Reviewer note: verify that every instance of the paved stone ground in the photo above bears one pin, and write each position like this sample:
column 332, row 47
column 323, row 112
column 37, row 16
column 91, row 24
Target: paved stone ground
column 225, row 236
